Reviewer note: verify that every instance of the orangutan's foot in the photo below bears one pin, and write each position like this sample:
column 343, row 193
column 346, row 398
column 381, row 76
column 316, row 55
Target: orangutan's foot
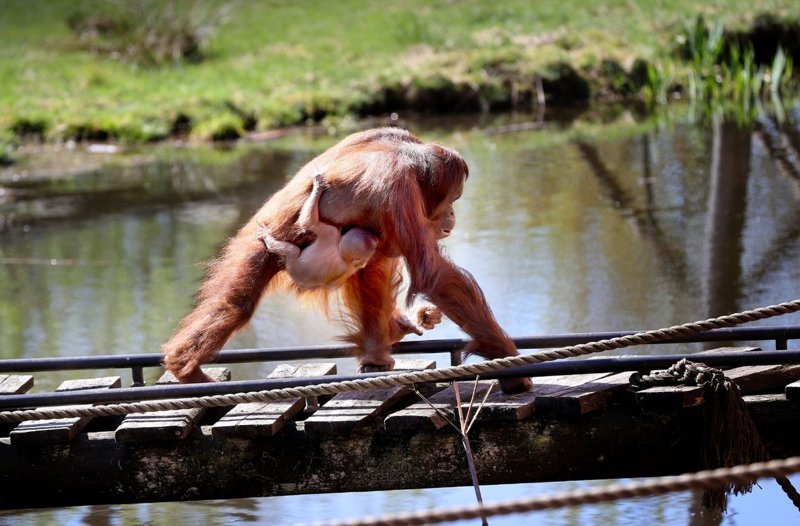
column 515, row 385
column 195, row 377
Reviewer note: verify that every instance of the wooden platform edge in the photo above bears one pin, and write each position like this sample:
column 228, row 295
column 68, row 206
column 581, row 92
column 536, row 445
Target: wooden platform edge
column 95, row 469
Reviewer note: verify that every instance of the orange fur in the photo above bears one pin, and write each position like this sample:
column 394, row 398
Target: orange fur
column 386, row 181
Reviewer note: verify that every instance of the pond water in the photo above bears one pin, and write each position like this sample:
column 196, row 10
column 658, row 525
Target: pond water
column 578, row 226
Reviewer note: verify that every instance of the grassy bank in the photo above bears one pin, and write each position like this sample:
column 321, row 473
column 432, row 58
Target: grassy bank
column 264, row 65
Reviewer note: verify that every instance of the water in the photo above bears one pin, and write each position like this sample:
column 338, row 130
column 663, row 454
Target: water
column 581, row 226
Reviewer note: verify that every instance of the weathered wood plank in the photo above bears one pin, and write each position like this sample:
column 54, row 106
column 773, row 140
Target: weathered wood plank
column 60, row 430
column 422, row 416
column 664, row 398
column 584, row 394
column 15, row 383
column 502, row 406
column 166, row 425
column 764, row 378
column 348, row 411
column 263, row 419
column 793, row 392
column 564, row 394
column 406, row 365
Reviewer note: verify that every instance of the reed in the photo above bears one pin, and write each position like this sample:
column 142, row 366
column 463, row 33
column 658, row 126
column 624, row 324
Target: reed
column 720, row 73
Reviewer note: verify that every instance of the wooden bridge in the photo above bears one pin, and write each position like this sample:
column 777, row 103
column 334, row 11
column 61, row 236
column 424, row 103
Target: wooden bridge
column 571, row 426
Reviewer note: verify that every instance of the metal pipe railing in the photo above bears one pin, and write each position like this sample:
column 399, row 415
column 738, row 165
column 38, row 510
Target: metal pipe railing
column 780, row 335
column 559, row 367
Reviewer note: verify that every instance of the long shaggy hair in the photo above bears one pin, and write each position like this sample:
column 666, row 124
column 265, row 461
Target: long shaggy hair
column 396, row 183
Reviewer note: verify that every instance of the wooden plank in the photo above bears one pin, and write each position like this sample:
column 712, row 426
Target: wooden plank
column 564, row 394
column 764, row 378
column 263, row 419
column 793, row 391
column 500, row 406
column 15, row 383
column 348, row 411
column 753, row 378
column 583, row 394
column 670, row 398
column 421, row 416
column 166, row 425
column 60, row 430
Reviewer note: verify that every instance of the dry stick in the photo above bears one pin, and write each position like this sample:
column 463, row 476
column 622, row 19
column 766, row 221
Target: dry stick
column 438, row 411
column 483, row 402
column 471, row 398
column 464, row 432
column 473, row 473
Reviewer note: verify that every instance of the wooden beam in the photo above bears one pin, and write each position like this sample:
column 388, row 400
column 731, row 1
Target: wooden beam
column 96, row 469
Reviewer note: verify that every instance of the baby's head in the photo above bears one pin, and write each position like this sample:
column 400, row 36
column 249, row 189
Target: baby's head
column 357, row 246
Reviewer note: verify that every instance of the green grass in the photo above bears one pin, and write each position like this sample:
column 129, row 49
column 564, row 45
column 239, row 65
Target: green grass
column 274, row 64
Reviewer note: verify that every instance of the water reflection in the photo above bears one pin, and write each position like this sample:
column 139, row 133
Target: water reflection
column 767, row 505
column 564, row 231
column 727, row 202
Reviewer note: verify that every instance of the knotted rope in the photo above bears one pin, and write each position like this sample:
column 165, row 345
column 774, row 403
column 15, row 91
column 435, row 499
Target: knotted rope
column 411, row 378
column 730, row 436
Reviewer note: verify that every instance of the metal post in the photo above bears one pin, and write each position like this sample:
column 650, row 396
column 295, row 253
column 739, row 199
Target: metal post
column 455, row 358
column 137, row 377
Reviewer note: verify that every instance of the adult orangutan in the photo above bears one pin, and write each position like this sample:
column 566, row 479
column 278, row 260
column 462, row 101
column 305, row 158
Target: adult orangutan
column 385, row 181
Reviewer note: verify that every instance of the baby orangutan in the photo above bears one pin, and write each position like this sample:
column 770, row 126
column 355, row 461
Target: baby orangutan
column 332, row 257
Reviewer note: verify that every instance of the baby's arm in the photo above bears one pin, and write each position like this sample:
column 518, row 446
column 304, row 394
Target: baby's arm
column 309, row 214
column 282, row 248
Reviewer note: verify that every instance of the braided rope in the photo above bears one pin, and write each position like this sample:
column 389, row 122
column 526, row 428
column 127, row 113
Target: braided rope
column 790, row 491
column 701, row 480
column 406, row 379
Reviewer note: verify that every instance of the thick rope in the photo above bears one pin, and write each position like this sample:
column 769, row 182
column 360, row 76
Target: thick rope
column 701, row 480
column 730, row 436
column 790, row 491
column 407, row 379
